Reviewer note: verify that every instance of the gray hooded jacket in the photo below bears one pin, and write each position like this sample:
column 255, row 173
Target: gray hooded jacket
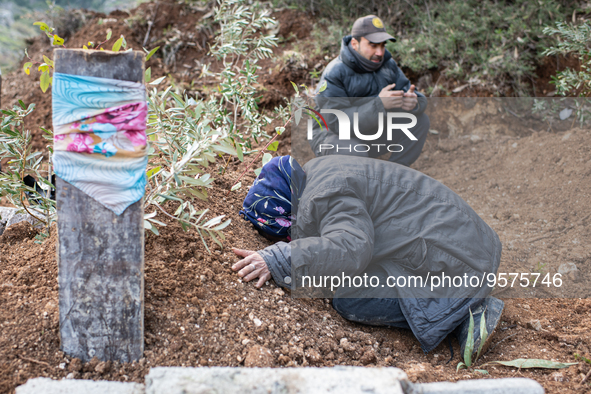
column 355, row 212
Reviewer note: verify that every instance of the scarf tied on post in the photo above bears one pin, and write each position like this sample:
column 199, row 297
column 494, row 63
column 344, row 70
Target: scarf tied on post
column 100, row 137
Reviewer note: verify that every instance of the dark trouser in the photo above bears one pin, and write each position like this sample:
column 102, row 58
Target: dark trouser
column 328, row 143
column 375, row 310
column 371, row 311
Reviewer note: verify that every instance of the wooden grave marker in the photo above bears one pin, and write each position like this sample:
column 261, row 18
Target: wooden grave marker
column 100, row 254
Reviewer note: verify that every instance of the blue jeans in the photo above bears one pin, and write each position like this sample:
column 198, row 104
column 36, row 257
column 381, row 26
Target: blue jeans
column 371, row 311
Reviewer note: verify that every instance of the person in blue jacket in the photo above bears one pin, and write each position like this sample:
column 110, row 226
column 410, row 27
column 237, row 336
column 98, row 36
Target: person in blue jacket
column 342, row 215
column 365, row 69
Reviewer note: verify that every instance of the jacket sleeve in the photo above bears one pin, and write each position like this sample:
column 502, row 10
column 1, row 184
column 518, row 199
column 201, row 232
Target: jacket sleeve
column 343, row 245
column 278, row 259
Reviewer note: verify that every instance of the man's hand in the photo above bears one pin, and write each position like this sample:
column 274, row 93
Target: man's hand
column 391, row 98
column 398, row 98
column 409, row 101
column 251, row 266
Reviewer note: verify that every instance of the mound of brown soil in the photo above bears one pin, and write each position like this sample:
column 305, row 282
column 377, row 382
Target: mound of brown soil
column 18, row 232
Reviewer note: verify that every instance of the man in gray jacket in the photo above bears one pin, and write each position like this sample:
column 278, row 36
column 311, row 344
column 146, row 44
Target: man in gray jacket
column 365, row 69
column 366, row 218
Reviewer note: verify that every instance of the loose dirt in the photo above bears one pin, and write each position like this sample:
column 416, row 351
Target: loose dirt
column 534, row 190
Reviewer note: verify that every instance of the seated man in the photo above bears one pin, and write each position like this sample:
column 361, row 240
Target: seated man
column 360, row 216
column 365, row 69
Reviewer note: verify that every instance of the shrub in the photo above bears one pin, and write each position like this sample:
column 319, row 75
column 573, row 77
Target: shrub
column 572, row 40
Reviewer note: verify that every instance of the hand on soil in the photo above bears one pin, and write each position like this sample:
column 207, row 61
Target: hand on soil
column 251, row 266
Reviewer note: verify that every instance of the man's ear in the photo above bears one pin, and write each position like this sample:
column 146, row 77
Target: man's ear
column 355, row 44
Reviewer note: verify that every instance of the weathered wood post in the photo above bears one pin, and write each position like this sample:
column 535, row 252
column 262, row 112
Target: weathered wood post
column 100, row 254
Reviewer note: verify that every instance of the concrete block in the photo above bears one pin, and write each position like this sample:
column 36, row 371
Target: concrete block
column 480, row 386
column 341, row 380
column 71, row 386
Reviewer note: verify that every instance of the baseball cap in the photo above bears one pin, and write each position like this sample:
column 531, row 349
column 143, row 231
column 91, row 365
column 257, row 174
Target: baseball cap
column 372, row 28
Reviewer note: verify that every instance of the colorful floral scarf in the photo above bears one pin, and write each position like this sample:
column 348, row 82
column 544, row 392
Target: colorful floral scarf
column 268, row 204
column 100, row 137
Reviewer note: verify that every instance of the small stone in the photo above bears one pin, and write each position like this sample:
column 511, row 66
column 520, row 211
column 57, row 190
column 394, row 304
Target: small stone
column 278, row 291
column 534, row 325
column 286, row 310
column 313, row 357
column 75, row 365
column 474, row 138
column 259, row 356
column 92, row 364
column 103, row 367
column 557, row 376
column 257, row 322
column 369, row 357
column 70, row 375
column 419, row 371
column 525, row 306
column 569, row 270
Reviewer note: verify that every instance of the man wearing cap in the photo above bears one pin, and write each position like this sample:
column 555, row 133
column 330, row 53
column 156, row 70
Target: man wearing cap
column 365, row 69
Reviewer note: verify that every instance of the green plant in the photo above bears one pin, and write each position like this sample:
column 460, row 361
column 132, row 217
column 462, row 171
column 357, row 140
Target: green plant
column 582, row 358
column 517, row 363
column 47, row 66
column 240, row 43
column 184, row 143
column 495, row 43
column 562, row 108
column 572, row 40
column 15, row 145
column 469, row 348
column 540, row 267
column 300, row 104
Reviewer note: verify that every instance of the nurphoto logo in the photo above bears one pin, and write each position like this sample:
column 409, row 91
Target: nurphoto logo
column 344, row 132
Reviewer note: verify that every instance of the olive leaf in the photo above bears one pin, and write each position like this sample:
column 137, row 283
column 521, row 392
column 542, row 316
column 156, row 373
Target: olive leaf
column 483, row 334
column 117, row 45
column 469, row 342
column 533, row 363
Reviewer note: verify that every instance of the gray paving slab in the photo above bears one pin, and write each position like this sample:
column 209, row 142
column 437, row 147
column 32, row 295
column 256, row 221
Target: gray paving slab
column 71, row 386
column 221, row 380
column 480, row 386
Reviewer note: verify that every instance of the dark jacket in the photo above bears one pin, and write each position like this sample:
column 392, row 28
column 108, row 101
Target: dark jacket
column 355, row 212
column 345, row 78
column 353, row 90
